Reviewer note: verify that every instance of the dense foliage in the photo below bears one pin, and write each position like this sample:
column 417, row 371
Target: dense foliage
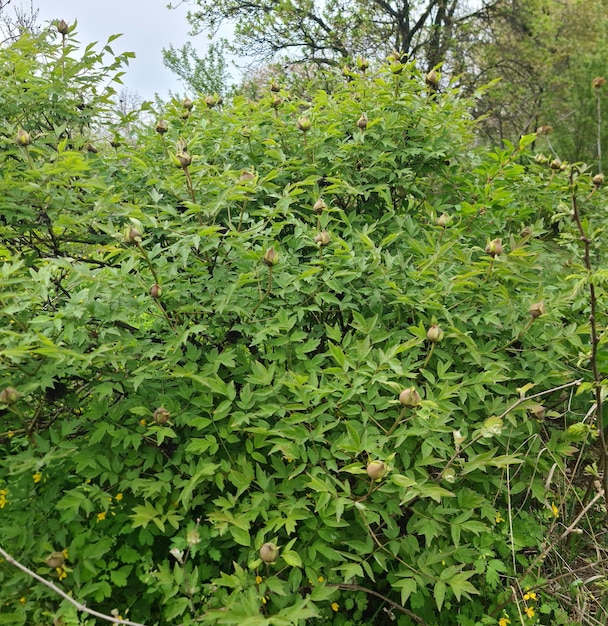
column 312, row 324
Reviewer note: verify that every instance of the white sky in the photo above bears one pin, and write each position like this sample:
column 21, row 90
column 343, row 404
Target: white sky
column 148, row 26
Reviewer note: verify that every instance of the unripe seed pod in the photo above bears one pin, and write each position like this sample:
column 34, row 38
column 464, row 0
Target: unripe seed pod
column 319, row 206
column 276, row 102
column 271, row 257
column 187, row 104
column 162, row 126
column 269, row 552
column 432, row 80
column 304, row 124
column 184, row 159
column 156, row 291
column 23, row 138
column 9, row 395
column 556, row 164
column 62, row 27
column 598, row 180
column 211, row 101
column 376, row 469
column 275, row 87
column 410, row 397
column 537, row 309
column 133, row 235
column 434, row 333
column 494, row 248
column 362, row 122
column 322, row 238
column 161, row 416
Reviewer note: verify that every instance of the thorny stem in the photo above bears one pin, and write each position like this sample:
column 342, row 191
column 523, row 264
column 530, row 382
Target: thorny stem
column 594, row 334
column 50, row 585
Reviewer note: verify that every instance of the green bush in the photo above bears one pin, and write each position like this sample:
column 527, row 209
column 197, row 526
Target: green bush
column 214, row 330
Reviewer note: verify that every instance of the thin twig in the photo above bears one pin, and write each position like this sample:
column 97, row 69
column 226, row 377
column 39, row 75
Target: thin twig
column 50, row 585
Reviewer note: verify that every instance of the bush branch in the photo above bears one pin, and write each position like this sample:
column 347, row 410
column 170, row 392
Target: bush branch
column 50, row 585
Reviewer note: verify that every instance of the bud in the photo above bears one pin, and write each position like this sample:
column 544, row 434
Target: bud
column 184, row 159
column 410, row 397
column 55, row 560
column 434, row 333
column 133, row 235
column 598, row 82
column 362, row 64
column 545, row 129
column 540, row 159
column 443, row 220
column 23, row 138
column 322, row 238
column 9, row 395
column 319, row 206
column 271, row 257
column 598, row 180
column 187, row 104
column 161, row 416
column 376, row 469
column 449, row 475
column 538, row 410
column 275, row 87
column 156, row 291
column 162, row 127
column 346, row 71
column 362, row 121
column 246, row 176
column 537, row 309
column 62, row 27
column 432, row 80
column 304, row 124
column 115, row 142
column 556, row 164
column 494, row 248
column 92, row 148
column 211, row 101
column 276, row 102
column 269, row 553
column 458, row 438
column 491, row 426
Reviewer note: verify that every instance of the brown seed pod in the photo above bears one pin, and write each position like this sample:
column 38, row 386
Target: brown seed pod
column 55, row 560
column 156, row 291
column 494, row 248
column 184, row 159
column 133, row 235
column 362, row 121
column 304, row 124
column 322, row 238
column 162, row 126
column 187, row 104
column 62, row 27
column 432, row 80
column 271, row 257
column 434, row 333
column 23, row 138
column 319, row 206
column 537, row 309
column 598, row 180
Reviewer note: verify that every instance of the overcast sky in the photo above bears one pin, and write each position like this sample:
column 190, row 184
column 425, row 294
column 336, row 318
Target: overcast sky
column 148, row 26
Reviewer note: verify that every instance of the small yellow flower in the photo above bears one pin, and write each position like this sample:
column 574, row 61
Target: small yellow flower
column 101, row 516
column 530, row 596
column 258, row 580
column 61, row 573
column 263, row 600
column 142, row 422
column 335, row 606
column 504, row 621
column 499, row 518
column 22, row 600
column 529, row 611
column 554, row 510
column 118, row 497
column 10, row 434
column 37, row 477
column 66, row 556
column 321, row 579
